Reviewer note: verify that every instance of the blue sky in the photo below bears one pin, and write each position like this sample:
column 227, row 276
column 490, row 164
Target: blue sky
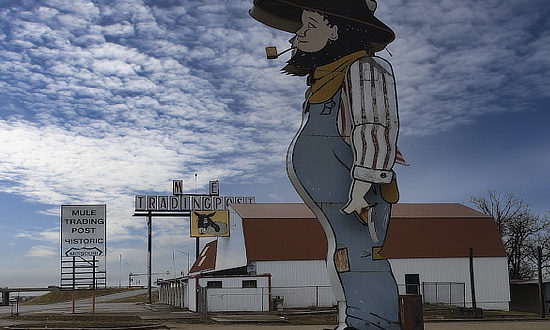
column 103, row 100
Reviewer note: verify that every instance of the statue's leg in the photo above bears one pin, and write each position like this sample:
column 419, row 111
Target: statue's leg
column 371, row 297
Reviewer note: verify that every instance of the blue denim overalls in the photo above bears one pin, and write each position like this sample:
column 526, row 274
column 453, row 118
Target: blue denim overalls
column 319, row 163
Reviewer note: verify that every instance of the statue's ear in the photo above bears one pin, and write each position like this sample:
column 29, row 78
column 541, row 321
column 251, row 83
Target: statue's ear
column 372, row 5
column 333, row 33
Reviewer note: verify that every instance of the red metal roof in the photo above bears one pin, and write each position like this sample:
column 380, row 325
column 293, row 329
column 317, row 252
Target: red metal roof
column 207, row 258
column 442, row 238
column 441, row 230
column 284, row 239
column 283, row 231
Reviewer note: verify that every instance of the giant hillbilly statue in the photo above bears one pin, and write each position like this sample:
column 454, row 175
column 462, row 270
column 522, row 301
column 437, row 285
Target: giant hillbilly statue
column 341, row 159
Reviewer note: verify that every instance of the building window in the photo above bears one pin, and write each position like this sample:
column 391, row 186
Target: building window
column 412, row 284
column 214, row 284
column 250, row 284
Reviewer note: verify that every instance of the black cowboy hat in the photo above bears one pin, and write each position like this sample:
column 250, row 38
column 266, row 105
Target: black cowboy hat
column 286, row 15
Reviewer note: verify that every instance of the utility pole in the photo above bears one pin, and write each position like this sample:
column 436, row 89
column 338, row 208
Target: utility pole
column 120, row 270
column 541, row 283
column 472, row 284
column 187, row 254
column 174, row 263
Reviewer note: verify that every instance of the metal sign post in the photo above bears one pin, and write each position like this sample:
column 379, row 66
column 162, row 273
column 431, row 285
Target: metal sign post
column 197, row 246
column 149, row 216
column 149, row 254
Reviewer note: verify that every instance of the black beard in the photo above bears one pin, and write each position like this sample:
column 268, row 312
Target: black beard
column 301, row 63
column 304, row 63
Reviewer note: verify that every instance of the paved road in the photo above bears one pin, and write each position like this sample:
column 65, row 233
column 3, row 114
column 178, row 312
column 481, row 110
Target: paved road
column 486, row 325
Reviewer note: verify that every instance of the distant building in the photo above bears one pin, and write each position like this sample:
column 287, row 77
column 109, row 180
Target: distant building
column 276, row 253
column 525, row 295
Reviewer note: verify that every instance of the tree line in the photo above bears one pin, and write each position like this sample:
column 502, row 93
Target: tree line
column 521, row 230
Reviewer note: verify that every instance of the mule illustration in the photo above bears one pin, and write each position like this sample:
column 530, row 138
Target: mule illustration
column 206, row 225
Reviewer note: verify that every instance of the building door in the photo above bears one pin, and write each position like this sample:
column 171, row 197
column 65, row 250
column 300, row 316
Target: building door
column 412, row 283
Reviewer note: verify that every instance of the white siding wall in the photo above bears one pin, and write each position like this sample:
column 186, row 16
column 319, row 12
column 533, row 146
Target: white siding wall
column 302, row 283
column 192, row 296
column 186, row 295
column 232, row 297
column 491, row 277
column 231, row 251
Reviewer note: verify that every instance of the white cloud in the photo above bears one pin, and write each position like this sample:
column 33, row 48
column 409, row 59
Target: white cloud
column 113, row 67
column 84, row 9
column 124, row 29
column 41, row 251
column 50, row 236
column 45, row 13
column 458, row 61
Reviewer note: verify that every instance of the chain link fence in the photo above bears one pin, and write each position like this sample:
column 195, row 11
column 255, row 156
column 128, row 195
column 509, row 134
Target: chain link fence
column 447, row 293
column 442, row 293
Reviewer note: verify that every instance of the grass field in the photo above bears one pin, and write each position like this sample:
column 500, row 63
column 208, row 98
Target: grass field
column 61, row 296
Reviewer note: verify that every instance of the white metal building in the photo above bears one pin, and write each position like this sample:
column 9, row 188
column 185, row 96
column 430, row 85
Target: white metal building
column 428, row 245
column 278, row 251
column 281, row 242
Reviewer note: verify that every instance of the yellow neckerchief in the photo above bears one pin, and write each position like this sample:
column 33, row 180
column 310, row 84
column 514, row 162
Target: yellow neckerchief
column 327, row 79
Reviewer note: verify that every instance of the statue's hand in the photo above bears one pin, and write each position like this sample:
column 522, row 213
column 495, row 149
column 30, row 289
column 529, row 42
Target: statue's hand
column 357, row 202
column 359, row 205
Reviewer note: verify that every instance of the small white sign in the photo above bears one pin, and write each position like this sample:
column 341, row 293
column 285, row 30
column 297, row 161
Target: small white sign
column 83, row 230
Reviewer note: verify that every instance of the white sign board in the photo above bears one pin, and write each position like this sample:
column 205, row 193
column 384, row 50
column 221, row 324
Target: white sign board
column 83, row 230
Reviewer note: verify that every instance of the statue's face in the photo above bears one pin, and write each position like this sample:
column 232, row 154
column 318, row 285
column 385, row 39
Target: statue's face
column 314, row 33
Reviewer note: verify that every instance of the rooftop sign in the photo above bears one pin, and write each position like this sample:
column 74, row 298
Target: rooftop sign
column 189, row 202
